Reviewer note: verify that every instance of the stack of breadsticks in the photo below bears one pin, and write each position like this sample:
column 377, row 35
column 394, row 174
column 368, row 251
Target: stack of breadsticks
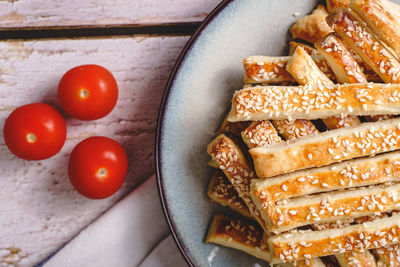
column 309, row 155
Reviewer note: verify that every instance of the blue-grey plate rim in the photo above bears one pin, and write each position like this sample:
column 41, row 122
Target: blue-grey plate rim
column 160, row 120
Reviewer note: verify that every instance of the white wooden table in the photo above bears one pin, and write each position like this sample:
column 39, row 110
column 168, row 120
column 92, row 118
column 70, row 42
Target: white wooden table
column 39, row 209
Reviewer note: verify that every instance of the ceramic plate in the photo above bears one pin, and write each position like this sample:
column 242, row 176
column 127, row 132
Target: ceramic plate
column 196, row 99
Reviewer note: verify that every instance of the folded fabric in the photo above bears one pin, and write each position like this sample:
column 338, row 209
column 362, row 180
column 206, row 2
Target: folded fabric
column 123, row 236
column 166, row 254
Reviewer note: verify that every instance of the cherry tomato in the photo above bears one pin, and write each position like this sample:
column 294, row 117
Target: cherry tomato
column 35, row 131
column 97, row 167
column 88, row 92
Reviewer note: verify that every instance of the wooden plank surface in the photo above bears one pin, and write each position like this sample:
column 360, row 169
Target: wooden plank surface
column 39, row 209
column 29, row 13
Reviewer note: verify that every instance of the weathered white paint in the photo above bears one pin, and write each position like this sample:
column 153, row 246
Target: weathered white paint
column 39, row 210
column 17, row 13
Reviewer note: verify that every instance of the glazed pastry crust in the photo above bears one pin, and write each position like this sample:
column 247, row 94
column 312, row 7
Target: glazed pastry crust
column 359, row 237
column 379, row 20
column 362, row 41
column 312, row 27
column 326, row 148
column 314, row 101
column 356, row 173
column 221, row 191
column 389, row 255
column 236, row 168
column 331, row 206
column 346, row 69
column 239, row 233
column 304, row 70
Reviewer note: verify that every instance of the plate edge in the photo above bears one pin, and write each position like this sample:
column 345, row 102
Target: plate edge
column 160, row 119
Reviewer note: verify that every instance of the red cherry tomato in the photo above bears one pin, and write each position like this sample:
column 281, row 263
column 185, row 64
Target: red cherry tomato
column 88, row 92
column 97, row 167
column 35, row 131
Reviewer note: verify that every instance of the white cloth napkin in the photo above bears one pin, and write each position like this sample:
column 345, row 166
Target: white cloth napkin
column 132, row 233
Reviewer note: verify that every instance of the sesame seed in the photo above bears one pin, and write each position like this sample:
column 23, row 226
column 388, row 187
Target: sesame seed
column 293, row 212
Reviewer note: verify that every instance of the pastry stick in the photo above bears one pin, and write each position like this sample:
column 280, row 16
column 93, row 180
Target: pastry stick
column 309, row 49
column 304, row 70
column 359, row 237
column 221, row 191
column 380, row 20
column 236, row 168
column 327, row 147
column 312, row 27
column 260, row 134
column 359, row 37
column 349, row 258
column 360, row 172
column 389, row 255
column 314, row 102
column 340, row 60
column 234, row 128
column 356, row 258
column 239, row 233
column 272, row 70
column 261, row 69
column 331, row 206
column 247, row 236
